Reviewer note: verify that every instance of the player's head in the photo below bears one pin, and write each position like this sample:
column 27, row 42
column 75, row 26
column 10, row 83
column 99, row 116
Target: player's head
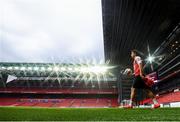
column 133, row 53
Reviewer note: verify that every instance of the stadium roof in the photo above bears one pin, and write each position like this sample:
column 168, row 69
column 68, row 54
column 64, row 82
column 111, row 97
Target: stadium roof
column 130, row 24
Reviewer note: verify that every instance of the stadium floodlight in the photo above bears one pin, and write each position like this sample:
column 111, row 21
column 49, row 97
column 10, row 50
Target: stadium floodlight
column 43, row 69
column 16, row 68
column 150, row 59
column 22, row 68
column 56, row 68
column 29, row 68
column 84, row 69
column 98, row 69
column 94, row 69
column 63, row 68
column 70, row 69
column 76, row 69
column 36, row 68
column 9, row 68
column 49, row 69
column 3, row 68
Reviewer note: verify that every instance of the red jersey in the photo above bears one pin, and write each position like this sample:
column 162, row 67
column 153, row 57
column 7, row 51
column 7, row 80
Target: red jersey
column 137, row 61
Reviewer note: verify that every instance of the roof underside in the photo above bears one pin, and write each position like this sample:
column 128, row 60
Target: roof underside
column 135, row 24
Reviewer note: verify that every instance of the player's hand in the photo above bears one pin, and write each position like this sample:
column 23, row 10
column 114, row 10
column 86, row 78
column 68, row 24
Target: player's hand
column 142, row 76
column 128, row 72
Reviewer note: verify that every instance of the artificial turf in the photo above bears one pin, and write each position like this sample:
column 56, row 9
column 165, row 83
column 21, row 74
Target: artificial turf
column 88, row 114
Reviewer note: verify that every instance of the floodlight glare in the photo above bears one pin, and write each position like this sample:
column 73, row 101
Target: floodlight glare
column 16, row 68
column 49, row 69
column 70, row 69
column 3, row 68
column 9, row 68
column 42, row 68
column 29, row 68
column 36, row 68
column 94, row 69
column 150, row 59
column 56, row 68
column 84, row 69
column 23, row 68
column 63, row 68
column 76, row 69
column 98, row 69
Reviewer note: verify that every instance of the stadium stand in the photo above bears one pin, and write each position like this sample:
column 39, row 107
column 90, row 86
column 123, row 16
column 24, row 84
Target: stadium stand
column 70, row 102
column 67, row 93
column 165, row 98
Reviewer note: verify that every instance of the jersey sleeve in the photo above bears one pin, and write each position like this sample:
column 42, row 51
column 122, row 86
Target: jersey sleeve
column 138, row 60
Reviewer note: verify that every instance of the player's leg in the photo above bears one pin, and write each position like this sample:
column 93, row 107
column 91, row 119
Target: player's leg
column 132, row 96
column 133, row 92
column 151, row 95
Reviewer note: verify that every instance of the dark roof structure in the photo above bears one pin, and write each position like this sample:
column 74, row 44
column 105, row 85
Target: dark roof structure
column 136, row 24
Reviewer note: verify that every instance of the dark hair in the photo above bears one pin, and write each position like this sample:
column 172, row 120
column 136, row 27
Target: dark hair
column 135, row 51
column 138, row 53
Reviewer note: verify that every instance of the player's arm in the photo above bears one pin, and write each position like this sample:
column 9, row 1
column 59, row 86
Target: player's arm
column 139, row 62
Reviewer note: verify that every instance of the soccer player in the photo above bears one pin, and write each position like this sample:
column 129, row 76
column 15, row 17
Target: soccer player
column 138, row 82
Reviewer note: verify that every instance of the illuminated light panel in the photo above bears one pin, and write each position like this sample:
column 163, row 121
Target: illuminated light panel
column 4, row 68
column 36, row 68
column 29, row 68
column 49, row 69
column 56, row 68
column 16, row 68
column 70, row 69
column 43, row 68
column 22, row 68
column 9, row 68
column 98, row 69
column 63, row 68
column 94, row 69
column 76, row 69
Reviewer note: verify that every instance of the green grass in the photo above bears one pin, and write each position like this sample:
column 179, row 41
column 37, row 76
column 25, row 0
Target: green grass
column 88, row 114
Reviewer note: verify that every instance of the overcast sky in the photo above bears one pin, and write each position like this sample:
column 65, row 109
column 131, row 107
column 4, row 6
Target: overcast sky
column 50, row 30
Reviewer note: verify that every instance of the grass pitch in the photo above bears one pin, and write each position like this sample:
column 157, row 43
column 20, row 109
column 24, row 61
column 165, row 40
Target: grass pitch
column 88, row 114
